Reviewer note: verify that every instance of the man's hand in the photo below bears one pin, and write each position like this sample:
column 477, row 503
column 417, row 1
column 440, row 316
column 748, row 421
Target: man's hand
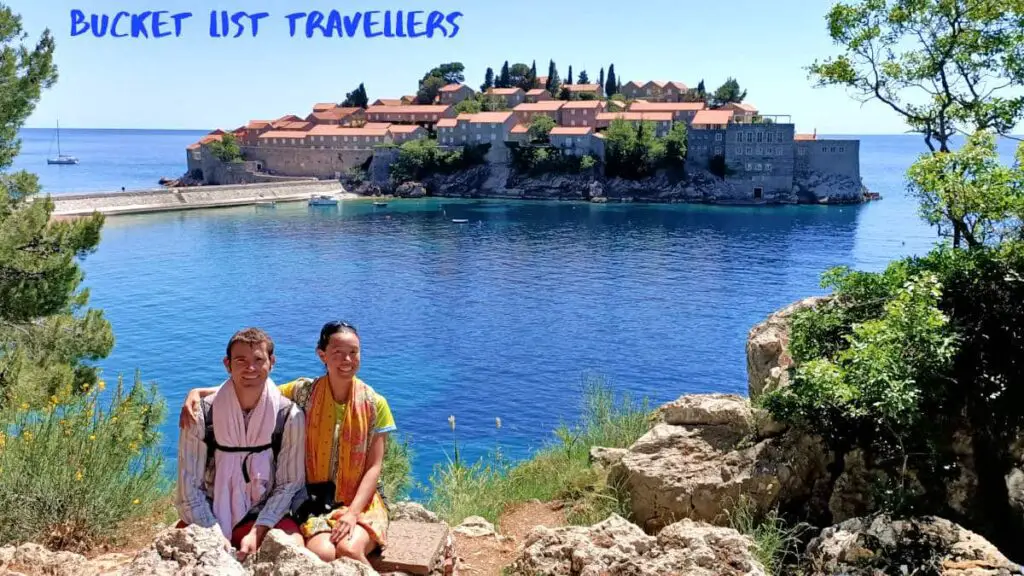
column 344, row 528
column 251, row 542
column 190, row 409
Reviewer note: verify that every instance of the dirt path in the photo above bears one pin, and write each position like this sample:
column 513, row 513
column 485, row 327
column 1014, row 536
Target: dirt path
column 488, row 555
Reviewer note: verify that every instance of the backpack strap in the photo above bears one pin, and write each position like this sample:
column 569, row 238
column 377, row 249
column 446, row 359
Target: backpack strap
column 276, row 438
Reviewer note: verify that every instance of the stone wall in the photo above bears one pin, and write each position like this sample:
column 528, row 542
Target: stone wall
column 319, row 163
column 189, row 198
column 834, row 157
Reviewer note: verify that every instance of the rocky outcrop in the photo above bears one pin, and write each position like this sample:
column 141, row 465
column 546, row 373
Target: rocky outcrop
column 411, row 190
column 618, row 547
column 819, row 188
column 278, row 557
column 705, row 459
column 193, row 550
column 882, row 545
column 699, row 186
column 601, row 457
column 768, row 359
column 411, row 511
column 475, row 527
column 31, row 559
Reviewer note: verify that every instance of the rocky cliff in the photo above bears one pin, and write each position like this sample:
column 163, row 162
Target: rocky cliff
column 499, row 181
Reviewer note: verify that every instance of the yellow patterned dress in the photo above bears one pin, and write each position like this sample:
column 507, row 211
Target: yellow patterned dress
column 338, row 440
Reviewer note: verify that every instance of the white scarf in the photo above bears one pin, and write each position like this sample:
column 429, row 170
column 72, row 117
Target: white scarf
column 232, row 496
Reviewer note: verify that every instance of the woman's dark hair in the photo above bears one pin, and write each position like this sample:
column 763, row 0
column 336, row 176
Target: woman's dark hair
column 334, row 327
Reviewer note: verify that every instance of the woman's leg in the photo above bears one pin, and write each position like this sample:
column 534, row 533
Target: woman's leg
column 358, row 546
column 321, row 546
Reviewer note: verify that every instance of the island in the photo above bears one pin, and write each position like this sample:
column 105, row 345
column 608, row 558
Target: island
column 535, row 137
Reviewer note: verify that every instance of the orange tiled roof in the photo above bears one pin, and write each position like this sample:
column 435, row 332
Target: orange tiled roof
column 636, row 84
column 636, row 116
column 490, row 117
column 377, row 125
column 217, row 131
column 452, row 87
column 387, row 102
column 545, row 106
column 403, row 128
column 520, row 129
column 298, row 126
column 210, row 138
column 709, row 117
column 283, row 134
column 805, row 137
column 257, row 124
column 535, row 92
column 583, row 104
column 743, row 106
column 286, row 118
column 582, row 87
column 447, row 123
column 330, row 130
column 666, row 106
column 503, row 91
column 409, row 109
column 571, row 130
column 323, row 106
column 193, row 146
column 336, row 113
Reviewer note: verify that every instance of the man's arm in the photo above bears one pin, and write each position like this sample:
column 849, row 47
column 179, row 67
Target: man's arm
column 190, row 495
column 290, row 473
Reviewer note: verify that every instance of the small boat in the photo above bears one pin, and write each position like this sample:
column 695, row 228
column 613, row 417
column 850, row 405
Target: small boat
column 460, row 220
column 380, row 204
column 61, row 159
column 323, row 200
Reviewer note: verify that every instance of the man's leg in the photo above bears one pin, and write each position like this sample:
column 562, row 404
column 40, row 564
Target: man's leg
column 286, row 525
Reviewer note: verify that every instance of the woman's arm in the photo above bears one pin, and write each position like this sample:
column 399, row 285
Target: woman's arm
column 368, row 485
column 190, row 409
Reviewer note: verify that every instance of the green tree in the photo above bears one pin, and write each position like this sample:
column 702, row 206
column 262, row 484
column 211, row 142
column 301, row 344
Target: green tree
column 611, row 87
column 568, row 79
column 554, row 83
column 450, row 72
column 492, row 103
column 946, row 67
column 675, row 144
column 728, row 92
column 973, row 188
column 583, row 78
column 541, row 127
column 564, row 93
column 600, row 80
column 357, row 98
column 505, row 79
column 430, row 87
column 49, row 428
column 533, row 76
column 469, row 106
column 226, row 149
column 519, row 76
column 488, row 80
column 701, row 91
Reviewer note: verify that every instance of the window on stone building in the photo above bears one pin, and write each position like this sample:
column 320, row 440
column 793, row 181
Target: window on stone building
column 768, row 167
column 718, row 137
column 750, row 167
column 739, row 151
column 760, row 151
column 750, row 150
column 757, row 167
column 842, row 149
column 759, row 136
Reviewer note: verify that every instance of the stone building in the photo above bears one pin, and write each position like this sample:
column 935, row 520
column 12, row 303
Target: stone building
column 581, row 113
column 654, row 91
column 526, row 112
column 422, row 114
column 512, row 96
column 455, row 93
column 596, row 90
column 572, row 140
column 681, row 111
column 537, row 95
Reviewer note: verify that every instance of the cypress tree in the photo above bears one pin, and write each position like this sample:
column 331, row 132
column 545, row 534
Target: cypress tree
column 488, row 80
column 568, row 79
column 504, row 81
column 533, row 74
column 611, row 88
column 600, row 80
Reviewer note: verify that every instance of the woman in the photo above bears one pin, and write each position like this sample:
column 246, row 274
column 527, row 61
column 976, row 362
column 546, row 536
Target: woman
column 346, row 426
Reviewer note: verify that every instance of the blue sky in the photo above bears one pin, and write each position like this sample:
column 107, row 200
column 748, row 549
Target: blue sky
column 197, row 82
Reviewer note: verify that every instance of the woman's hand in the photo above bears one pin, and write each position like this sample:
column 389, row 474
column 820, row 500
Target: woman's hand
column 344, row 527
column 190, row 409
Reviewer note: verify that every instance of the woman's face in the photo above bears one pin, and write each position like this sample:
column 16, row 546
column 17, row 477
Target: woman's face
column 341, row 355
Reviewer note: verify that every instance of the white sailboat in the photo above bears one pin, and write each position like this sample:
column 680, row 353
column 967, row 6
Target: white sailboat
column 61, row 158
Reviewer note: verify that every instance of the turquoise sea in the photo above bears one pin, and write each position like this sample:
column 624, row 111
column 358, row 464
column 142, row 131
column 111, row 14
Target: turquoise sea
column 502, row 317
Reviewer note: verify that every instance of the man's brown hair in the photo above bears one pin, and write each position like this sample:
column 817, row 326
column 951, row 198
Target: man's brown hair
column 252, row 337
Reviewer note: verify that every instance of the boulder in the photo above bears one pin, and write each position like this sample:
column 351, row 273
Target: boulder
column 706, row 472
column 879, row 544
column 279, row 557
column 411, row 511
column 768, row 358
column 728, row 410
column 36, row 559
column 193, row 550
column 411, row 190
column 615, row 546
column 475, row 527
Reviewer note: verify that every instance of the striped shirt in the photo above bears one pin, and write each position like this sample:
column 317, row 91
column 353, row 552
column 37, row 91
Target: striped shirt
column 195, row 479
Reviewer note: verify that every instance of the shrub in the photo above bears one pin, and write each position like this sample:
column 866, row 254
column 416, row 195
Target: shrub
column 424, row 157
column 74, row 471
column 397, row 472
column 560, row 470
column 226, row 149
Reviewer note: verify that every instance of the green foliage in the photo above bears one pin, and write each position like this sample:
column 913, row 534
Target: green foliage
column 777, row 544
column 583, row 78
column 450, row 73
column 72, row 472
column 588, row 162
column 554, row 83
column 969, row 190
column 504, row 78
column 564, row 93
column 226, row 149
column 488, row 80
column 586, row 96
column 675, row 144
column 519, row 76
column 611, row 86
column 423, row 157
column 631, row 150
column 396, row 475
column 357, row 98
column 469, row 106
column 728, row 92
column 561, row 470
column 429, row 89
column 541, row 127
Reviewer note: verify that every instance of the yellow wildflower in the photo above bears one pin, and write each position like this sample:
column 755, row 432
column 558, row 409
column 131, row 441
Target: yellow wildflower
column 24, row 405
column 114, row 419
column 78, row 476
column 3, row 440
column 134, row 446
column 136, row 501
column 92, row 437
column 101, row 385
column 54, row 400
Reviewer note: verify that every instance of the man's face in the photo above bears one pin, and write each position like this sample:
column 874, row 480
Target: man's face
column 249, row 365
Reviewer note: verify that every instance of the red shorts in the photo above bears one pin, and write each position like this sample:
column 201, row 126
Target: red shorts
column 286, row 525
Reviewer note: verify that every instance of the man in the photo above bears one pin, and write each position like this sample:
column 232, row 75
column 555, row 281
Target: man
column 242, row 461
